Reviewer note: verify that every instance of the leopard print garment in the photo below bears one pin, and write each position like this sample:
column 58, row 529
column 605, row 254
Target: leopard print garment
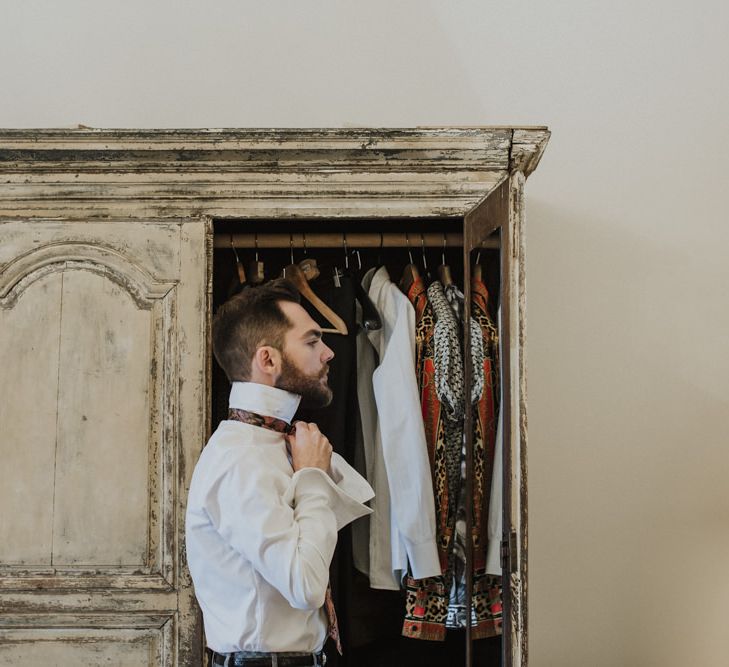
column 432, row 413
column 487, row 410
column 487, row 589
column 457, row 609
column 426, row 604
column 427, row 600
column 448, row 359
column 455, row 299
column 450, row 385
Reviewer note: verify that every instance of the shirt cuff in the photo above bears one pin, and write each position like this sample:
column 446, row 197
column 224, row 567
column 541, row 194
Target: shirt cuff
column 423, row 559
column 346, row 497
column 350, row 481
column 493, row 557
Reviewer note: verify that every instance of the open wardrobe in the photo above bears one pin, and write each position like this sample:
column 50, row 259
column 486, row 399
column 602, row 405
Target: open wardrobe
column 407, row 248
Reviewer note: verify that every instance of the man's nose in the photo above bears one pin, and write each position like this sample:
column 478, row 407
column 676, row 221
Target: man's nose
column 328, row 353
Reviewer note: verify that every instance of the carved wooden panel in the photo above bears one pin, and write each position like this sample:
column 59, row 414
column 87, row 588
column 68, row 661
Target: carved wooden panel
column 89, row 335
column 28, row 414
column 103, row 426
column 141, row 640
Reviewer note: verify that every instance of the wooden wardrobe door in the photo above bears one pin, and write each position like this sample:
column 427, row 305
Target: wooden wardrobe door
column 102, row 414
column 502, row 213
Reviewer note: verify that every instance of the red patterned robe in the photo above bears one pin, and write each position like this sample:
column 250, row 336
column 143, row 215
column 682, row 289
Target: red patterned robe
column 427, row 599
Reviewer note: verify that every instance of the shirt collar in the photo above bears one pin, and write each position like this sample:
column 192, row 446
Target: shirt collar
column 367, row 278
column 264, row 400
column 379, row 279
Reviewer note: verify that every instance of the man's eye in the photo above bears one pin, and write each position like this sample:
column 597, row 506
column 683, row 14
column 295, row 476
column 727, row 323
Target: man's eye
column 313, row 342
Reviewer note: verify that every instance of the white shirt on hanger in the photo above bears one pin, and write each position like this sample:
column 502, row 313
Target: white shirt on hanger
column 496, row 503
column 402, row 527
column 260, row 537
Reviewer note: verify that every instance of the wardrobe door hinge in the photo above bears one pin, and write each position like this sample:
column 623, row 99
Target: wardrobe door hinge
column 504, row 555
column 508, row 547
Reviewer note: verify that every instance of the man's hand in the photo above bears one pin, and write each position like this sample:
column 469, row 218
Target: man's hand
column 309, row 447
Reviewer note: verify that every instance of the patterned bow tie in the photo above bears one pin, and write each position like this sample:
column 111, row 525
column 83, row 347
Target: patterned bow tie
column 280, row 426
column 254, row 419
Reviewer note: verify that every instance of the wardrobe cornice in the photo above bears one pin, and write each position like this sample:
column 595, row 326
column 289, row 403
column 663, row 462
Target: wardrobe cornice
column 258, row 173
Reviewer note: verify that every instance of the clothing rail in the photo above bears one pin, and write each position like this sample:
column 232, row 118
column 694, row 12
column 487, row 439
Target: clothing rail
column 301, row 240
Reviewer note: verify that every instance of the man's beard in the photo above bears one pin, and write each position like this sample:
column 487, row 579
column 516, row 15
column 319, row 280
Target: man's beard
column 314, row 391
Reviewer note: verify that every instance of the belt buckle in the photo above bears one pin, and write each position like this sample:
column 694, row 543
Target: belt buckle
column 274, row 660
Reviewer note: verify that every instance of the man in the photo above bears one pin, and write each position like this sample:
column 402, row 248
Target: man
column 266, row 498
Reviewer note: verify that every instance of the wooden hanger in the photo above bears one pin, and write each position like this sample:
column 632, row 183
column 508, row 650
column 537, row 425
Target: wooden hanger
column 309, row 268
column 239, row 280
column 256, row 269
column 410, row 273
column 298, row 276
column 476, row 273
column 308, row 265
column 444, row 271
column 238, row 264
column 294, row 274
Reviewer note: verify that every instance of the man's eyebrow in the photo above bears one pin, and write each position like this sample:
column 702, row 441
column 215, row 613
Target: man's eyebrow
column 312, row 333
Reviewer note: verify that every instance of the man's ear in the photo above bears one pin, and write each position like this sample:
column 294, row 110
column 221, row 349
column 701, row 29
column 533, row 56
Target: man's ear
column 266, row 364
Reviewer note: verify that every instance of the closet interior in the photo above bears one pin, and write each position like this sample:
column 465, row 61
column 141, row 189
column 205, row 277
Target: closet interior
column 331, row 254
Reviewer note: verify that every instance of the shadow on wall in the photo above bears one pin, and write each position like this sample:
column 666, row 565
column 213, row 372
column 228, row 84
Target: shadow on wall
column 628, row 456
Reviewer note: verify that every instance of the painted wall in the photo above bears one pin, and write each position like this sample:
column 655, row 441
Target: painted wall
column 627, row 235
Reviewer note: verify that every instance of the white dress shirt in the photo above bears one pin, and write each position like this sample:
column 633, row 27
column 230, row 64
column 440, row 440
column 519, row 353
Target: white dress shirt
column 496, row 504
column 402, row 527
column 260, row 537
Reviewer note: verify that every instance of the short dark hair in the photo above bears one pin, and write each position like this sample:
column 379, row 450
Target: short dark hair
column 247, row 321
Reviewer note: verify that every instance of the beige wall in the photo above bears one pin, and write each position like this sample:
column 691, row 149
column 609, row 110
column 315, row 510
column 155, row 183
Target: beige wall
column 628, row 243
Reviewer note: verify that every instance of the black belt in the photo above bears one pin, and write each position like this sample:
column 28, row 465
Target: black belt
column 255, row 659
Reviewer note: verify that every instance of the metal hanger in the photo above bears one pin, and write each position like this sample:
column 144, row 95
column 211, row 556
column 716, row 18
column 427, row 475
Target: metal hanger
column 308, row 265
column 444, row 271
column 238, row 263
column 336, row 273
column 239, row 279
column 380, row 257
column 256, row 270
column 428, row 277
column 370, row 316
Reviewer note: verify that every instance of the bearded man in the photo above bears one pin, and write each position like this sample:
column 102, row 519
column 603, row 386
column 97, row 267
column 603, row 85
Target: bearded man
column 267, row 498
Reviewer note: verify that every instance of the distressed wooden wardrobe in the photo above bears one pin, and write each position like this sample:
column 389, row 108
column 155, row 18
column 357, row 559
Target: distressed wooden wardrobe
column 106, row 267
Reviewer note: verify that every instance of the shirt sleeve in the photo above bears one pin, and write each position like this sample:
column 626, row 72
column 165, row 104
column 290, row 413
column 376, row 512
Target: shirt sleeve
column 404, row 446
column 496, row 504
column 289, row 538
column 290, row 546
